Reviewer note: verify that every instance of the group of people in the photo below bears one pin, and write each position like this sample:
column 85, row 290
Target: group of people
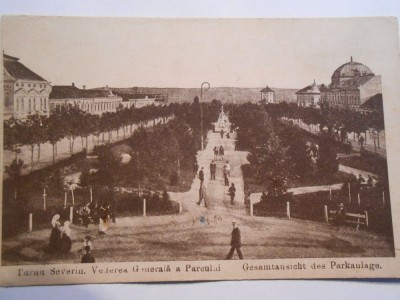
column 60, row 236
column 61, row 240
column 213, row 171
column 94, row 213
column 219, row 153
column 371, row 182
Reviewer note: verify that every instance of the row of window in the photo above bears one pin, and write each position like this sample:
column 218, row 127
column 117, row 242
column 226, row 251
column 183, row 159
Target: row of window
column 32, row 103
column 98, row 107
column 349, row 99
column 29, row 85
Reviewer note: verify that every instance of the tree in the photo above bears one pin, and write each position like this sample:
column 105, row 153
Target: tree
column 12, row 136
column 55, row 131
column 376, row 121
column 14, row 171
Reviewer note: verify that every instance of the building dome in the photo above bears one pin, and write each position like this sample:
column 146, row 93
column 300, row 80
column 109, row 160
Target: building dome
column 349, row 71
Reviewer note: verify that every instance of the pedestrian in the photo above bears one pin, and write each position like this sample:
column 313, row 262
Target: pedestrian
column 201, row 175
column 236, row 242
column 231, row 192
column 215, row 153
column 104, row 217
column 361, row 140
column 213, row 170
column 88, row 257
column 340, row 216
column 202, row 195
column 221, row 152
column 66, row 241
column 227, row 167
column 55, row 235
column 371, row 181
column 360, row 179
column 222, row 133
column 226, row 177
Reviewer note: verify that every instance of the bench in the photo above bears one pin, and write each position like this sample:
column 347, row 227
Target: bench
column 352, row 218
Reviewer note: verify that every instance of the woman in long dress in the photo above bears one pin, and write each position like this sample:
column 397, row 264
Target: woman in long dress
column 104, row 218
column 66, row 241
column 55, row 236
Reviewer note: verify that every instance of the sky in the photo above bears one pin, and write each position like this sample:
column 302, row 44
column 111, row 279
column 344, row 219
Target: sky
column 125, row 52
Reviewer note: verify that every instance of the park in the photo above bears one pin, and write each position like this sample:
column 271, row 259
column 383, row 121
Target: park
column 137, row 196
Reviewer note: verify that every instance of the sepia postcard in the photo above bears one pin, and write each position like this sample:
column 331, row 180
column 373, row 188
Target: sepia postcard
column 147, row 150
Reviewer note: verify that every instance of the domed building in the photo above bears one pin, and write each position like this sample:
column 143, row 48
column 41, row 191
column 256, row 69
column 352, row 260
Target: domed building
column 352, row 84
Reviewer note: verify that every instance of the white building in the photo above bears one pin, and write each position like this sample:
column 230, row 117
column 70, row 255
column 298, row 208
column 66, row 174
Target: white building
column 93, row 101
column 309, row 96
column 351, row 85
column 25, row 92
column 267, row 95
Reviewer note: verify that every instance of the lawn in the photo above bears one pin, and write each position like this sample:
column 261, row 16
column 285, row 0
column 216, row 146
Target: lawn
column 251, row 183
column 372, row 163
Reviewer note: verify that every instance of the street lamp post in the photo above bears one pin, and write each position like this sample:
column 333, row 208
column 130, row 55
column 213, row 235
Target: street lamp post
column 201, row 111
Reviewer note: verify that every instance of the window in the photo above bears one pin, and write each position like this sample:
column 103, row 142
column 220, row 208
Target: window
column 29, row 85
column 34, row 85
column 22, row 84
column 17, row 84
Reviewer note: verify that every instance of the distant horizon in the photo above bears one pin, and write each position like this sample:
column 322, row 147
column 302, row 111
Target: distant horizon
column 183, row 53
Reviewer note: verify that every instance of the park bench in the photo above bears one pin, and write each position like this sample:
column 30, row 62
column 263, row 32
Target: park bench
column 352, row 218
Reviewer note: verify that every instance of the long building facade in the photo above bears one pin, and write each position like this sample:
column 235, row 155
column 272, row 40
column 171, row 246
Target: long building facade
column 96, row 101
column 25, row 92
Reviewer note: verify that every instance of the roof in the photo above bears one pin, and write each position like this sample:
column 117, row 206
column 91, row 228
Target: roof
column 267, row 89
column 72, row 92
column 18, row 70
column 311, row 89
column 352, row 83
column 350, row 70
column 374, row 103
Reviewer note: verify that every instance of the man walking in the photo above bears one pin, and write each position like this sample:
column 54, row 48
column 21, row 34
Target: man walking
column 231, row 192
column 201, row 176
column 221, row 152
column 202, row 195
column 213, row 170
column 215, row 152
column 236, row 242
column 226, row 177
column 227, row 167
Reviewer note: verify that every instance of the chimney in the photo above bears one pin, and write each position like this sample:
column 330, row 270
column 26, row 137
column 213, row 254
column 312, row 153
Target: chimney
column 73, row 84
column 84, row 87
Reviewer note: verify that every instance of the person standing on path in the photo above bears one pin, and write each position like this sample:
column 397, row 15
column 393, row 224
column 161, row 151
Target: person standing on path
column 221, row 152
column 361, row 140
column 202, row 195
column 231, row 192
column 236, row 242
column 213, row 170
column 215, row 153
column 201, row 176
column 226, row 176
column 222, row 133
column 227, row 167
